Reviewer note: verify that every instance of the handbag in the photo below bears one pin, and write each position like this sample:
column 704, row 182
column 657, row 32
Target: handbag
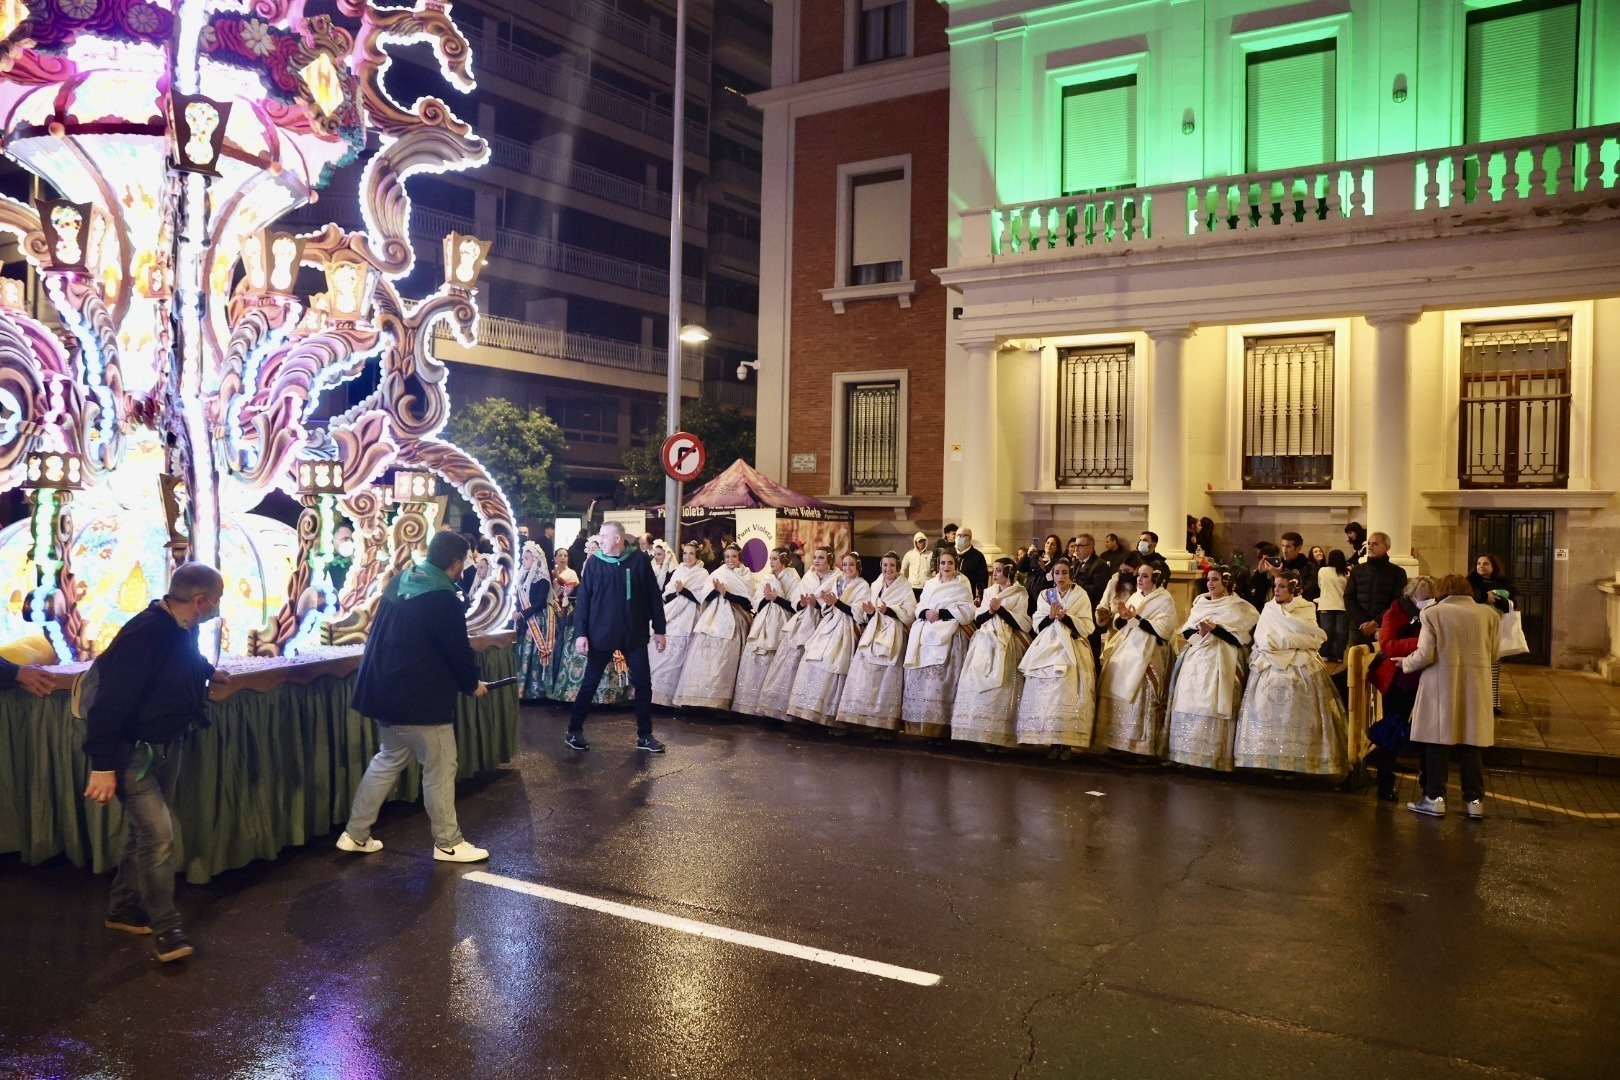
column 1510, row 639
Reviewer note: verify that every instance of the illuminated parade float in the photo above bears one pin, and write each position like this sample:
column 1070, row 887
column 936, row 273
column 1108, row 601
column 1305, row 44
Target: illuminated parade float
column 163, row 377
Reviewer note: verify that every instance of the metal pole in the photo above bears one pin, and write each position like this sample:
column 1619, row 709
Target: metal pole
column 677, row 184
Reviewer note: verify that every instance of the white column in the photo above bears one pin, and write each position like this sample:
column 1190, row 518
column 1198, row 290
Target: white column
column 1389, row 471
column 1167, row 448
column 979, row 473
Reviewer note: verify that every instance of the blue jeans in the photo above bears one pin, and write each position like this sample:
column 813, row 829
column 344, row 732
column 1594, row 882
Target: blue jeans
column 434, row 745
column 145, row 877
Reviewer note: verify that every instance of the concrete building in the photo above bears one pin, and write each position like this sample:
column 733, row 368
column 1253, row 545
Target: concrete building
column 1281, row 265
column 574, row 97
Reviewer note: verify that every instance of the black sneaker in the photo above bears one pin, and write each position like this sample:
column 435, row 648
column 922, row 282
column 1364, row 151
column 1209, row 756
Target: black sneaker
column 172, row 945
column 131, row 920
column 576, row 739
column 649, row 744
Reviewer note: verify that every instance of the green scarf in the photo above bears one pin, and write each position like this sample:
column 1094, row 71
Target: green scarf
column 421, row 579
column 617, row 562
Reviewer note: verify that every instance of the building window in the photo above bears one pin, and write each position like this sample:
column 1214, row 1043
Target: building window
column 879, row 227
column 1520, row 78
column 881, row 31
column 872, row 437
column 1291, row 106
column 1094, row 416
column 1514, row 414
column 586, row 419
column 1099, row 136
column 1288, row 411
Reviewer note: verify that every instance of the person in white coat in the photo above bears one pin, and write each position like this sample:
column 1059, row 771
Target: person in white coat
column 663, row 566
column 1058, row 705
column 683, row 599
column 777, row 686
column 773, row 607
column 934, row 650
column 1291, row 719
column 709, row 676
column 1457, row 644
column 986, row 703
column 1207, row 682
column 1132, row 686
column 819, row 682
column 876, row 679
column 917, row 564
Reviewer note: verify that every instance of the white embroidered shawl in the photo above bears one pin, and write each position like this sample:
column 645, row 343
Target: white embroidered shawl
column 929, row 643
column 884, row 640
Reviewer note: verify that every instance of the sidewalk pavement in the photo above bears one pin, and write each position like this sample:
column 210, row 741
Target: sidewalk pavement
column 1557, row 719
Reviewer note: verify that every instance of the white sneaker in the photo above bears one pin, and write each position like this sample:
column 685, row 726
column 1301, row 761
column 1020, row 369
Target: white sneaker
column 345, row 842
column 1432, row 807
column 1475, row 809
column 462, row 852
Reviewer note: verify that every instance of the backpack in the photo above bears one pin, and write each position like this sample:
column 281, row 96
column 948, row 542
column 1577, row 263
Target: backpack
column 82, row 697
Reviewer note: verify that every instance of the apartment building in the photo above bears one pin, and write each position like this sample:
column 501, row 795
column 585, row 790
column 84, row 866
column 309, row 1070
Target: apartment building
column 1283, row 265
column 575, row 99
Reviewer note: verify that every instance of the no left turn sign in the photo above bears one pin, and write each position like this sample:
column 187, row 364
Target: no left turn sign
column 683, row 456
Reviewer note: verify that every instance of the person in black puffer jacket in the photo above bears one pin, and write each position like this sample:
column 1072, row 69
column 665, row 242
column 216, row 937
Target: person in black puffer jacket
column 1374, row 584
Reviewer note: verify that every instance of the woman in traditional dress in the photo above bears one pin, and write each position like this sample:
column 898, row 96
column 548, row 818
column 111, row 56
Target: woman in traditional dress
column 1207, row 683
column 663, row 566
column 773, row 607
column 709, row 676
column 986, row 705
column 819, row 682
column 876, row 675
column 568, row 666
column 777, row 686
column 1130, row 701
column 1059, row 701
column 934, row 651
column 536, row 624
column 683, row 599
column 1291, row 719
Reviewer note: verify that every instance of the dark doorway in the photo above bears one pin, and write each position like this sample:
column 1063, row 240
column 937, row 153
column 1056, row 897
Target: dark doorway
column 1524, row 544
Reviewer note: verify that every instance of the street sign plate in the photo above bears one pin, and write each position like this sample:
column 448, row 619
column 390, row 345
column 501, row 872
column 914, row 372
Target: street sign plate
column 683, row 456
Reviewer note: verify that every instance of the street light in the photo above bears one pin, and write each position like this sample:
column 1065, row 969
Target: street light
column 693, row 334
column 677, row 190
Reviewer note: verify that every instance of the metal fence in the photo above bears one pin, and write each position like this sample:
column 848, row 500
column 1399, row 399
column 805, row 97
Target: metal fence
column 872, row 438
column 1288, row 411
column 1094, row 419
column 1514, row 412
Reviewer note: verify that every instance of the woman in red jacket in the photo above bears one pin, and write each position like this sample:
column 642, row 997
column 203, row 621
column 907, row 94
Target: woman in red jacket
column 1397, row 637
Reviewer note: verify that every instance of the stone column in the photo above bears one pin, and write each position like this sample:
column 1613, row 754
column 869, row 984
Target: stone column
column 1167, row 448
column 980, row 475
column 1389, row 470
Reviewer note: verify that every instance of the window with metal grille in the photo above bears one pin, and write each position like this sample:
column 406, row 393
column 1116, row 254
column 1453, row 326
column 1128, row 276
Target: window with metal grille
column 1094, row 416
column 1288, row 411
column 882, row 29
column 872, row 438
column 1514, row 415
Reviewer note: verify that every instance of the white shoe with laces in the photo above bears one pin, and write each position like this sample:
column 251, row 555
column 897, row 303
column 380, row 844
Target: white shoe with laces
column 462, row 852
column 1475, row 809
column 345, row 842
column 1430, row 807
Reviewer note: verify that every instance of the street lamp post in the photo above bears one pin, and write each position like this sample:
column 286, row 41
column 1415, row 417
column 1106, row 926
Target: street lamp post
column 677, row 184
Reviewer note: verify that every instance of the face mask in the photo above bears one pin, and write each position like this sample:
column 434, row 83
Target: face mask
column 1421, row 604
column 345, row 548
column 1142, row 547
column 963, row 543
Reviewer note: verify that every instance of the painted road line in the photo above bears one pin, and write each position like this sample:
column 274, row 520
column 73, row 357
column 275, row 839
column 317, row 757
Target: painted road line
column 1585, row 815
column 708, row 930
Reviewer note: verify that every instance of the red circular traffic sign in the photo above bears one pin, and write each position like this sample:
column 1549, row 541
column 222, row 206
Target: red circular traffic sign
column 683, row 456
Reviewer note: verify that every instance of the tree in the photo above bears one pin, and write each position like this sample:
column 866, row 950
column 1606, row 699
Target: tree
column 727, row 434
column 521, row 448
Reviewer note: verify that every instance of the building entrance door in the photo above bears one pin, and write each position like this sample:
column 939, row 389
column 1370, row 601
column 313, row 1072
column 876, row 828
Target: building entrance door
column 1524, row 544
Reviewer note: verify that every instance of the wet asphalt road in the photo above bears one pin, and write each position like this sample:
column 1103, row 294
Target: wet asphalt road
column 1171, row 926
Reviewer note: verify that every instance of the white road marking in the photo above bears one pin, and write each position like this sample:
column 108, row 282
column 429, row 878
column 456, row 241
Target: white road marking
column 1098, row 794
column 708, row 930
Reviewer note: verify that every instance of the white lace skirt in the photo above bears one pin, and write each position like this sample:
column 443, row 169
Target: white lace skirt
column 872, row 694
column 709, row 676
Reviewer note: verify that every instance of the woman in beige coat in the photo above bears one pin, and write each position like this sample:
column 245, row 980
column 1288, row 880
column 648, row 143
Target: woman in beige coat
column 1456, row 647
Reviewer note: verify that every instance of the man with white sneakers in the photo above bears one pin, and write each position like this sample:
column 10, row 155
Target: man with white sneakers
column 417, row 660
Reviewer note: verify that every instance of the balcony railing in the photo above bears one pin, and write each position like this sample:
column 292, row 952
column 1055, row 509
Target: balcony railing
column 558, row 79
column 1457, row 182
column 537, row 340
column 551, row 254
column 556, row 169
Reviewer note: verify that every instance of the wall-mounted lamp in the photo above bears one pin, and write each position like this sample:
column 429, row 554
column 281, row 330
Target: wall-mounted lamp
column 412, row 486
column 349, row 280
column 464, row 259
column 54, row 469
column 320, row 476
column 1397, row 93
column 270, row 261
column 66, row 225
column 1187, row 124
column 198, row 124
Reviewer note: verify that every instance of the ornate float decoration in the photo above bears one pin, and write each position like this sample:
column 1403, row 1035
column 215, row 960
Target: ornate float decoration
column 165, row 378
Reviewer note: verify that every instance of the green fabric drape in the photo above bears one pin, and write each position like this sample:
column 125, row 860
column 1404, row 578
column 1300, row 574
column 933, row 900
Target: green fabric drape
column 274, row 770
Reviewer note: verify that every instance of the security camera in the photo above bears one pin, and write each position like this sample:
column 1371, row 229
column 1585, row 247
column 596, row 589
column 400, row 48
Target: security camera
column 742, row 372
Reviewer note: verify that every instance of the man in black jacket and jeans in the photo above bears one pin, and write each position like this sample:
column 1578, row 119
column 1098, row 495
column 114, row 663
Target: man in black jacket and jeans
column 417, row 661
column 1374, row 584
column 152, row 686
column 616, row 600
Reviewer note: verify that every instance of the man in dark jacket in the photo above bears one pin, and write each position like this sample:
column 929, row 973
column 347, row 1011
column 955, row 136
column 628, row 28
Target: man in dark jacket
column 970, row 562
column 1091, row 571
column 152, row 686
column 617, row 599
column 1374, row 584
column 1295, row 559
column 416, row 663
